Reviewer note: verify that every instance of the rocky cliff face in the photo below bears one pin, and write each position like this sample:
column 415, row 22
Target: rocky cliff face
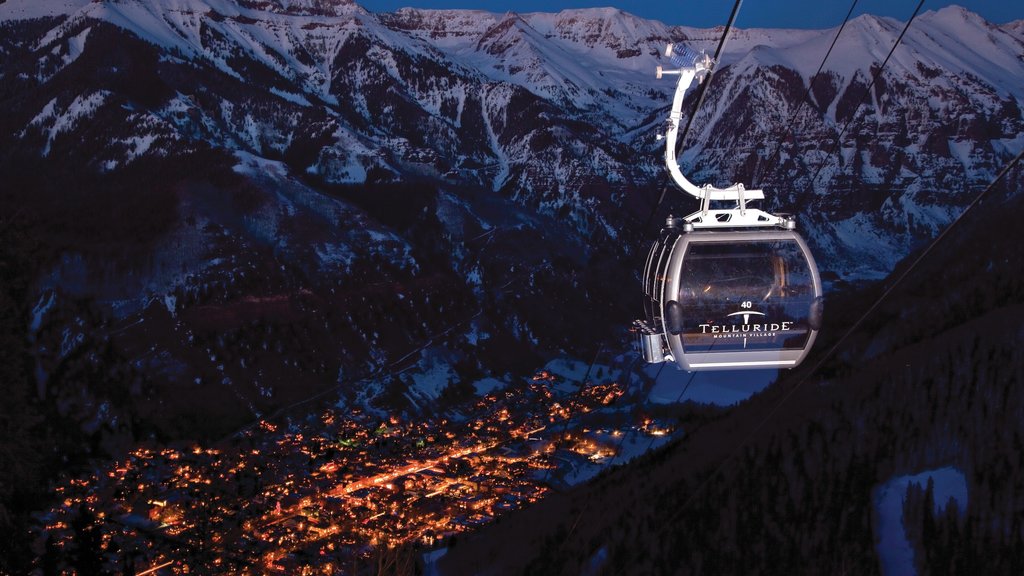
column 206, row 182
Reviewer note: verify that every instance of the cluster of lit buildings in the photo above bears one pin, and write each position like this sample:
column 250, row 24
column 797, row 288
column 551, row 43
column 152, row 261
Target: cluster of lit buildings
column 323, row 496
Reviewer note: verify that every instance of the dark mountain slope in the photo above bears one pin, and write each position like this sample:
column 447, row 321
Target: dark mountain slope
column 932, row 380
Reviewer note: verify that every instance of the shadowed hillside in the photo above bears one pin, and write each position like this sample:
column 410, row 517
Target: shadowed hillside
column 931, row 380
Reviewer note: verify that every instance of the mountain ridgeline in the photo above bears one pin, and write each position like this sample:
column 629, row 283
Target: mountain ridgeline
column 214, row 210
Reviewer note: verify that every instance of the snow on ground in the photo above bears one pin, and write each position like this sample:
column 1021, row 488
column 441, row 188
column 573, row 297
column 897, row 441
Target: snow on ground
column 573, row 372
column 488, row 385
column 81, row 108
column 962, row 150
column 138, row 145
column 894, row 551
column 335, row 256
column 46, row 301
column 634, row 443
column 581, row 472
column 433, row 379
column 875, row 252
column 719, row 388
column 252, row 165
column 29, row 9
column 1010, row 146
column 170, row 302
column 496, row 148
column 291, row 97
column 76, row 45
column 430, row 561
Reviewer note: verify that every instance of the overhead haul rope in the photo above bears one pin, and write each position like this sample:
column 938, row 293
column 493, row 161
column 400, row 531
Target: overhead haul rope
column 864, row 95
column 707, row 80
column 792, row 117
column 807, row 93
column 856, row 325
column 689, row 123
column 702, row 89
column 680, row 144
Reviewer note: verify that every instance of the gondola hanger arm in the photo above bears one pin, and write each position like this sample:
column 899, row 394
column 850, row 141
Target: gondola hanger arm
column 690, row 67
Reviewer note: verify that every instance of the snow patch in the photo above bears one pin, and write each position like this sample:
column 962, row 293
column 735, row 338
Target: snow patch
column 291, row 97
column 430, row 560
column 335, row 255
column 139, row 145
column 961, row 150
column 45, row 303
column 253, row 165
column 488, row 385
column 170, row 302
column 434, row 378
column 31, row 9
column 76, row 45
column 633, row 444
column 62, row 121
column 573, row 372
column 69, row 341
column 894, row 551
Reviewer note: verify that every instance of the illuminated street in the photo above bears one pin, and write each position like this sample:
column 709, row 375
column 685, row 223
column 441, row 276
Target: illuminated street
column 322, row 496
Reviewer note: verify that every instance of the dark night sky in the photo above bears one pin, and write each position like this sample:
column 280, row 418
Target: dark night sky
column 754, row 13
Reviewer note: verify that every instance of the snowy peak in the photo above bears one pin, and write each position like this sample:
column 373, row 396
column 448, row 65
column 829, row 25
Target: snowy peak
column 585, row 28
column 1015, row 29
column 440, row 25
column 304, row 7
column 508, row 34
column 955, row 14
column 601, row 27
column 953, row 39
column 963, row 41
column 31, row 9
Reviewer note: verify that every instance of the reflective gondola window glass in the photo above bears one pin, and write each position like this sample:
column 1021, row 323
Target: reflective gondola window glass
column 753, row 295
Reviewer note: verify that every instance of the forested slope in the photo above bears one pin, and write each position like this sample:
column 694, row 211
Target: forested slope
column 930, row 380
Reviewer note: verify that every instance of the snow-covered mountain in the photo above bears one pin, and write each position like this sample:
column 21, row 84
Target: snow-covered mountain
column 446, row 93
column 216, row 178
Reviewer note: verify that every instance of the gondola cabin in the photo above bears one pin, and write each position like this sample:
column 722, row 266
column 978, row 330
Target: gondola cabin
column 725, row 288
column 730, row 300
